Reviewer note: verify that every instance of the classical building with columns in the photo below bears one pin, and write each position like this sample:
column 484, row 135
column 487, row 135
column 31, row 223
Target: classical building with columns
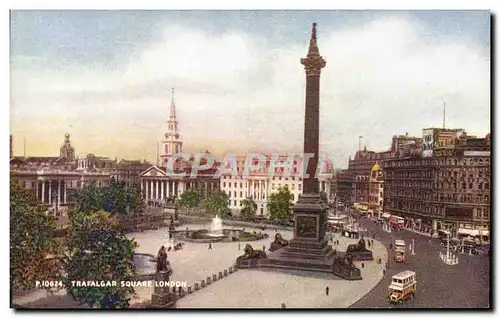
column 260, row 183
column 158, row 187
column 55, row 180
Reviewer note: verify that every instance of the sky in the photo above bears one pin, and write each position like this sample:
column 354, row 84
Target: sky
column 106, row 77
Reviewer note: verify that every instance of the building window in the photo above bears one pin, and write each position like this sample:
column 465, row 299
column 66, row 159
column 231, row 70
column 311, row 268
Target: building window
column 230, row 185
column 229, row 193
column 241, row 194
column 234, row 202
column 293, row 186
column 241, row 185
column 235, row 185
column 235, row 194
column 224, row 184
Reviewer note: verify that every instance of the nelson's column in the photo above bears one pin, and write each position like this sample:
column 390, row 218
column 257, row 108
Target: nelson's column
column 309, row 247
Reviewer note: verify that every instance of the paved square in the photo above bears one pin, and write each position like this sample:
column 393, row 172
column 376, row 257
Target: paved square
column 256, row 288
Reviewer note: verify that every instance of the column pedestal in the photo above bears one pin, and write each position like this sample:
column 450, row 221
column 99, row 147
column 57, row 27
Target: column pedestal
column 309, row 249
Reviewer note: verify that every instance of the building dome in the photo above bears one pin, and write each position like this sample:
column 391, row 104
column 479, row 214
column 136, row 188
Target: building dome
column 376, row 167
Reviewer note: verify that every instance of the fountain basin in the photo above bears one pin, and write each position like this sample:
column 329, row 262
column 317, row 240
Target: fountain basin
column 145, row 266
column 224, row 235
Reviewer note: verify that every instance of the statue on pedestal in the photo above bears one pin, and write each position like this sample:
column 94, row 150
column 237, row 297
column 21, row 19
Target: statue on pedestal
column 162, row 296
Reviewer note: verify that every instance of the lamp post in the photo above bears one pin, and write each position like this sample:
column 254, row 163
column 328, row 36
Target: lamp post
column 448, row 247
column 412, row 246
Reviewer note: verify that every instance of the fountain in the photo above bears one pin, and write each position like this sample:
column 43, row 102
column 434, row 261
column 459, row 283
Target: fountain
column 217, row 233
column 216, row 225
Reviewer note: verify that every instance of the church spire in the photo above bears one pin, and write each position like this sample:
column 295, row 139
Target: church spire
column 171, row 115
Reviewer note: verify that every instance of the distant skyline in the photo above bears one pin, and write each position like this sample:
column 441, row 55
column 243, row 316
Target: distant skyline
column 106, row 77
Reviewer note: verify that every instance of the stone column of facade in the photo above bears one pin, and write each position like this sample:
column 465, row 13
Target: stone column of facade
column 181, row 188
column 146, row 194
column 58, row 192
column 50, row 191
column 142, row 187
column 168, row 188
column 162, row 192
column 157, row 190
column 65, row 192
column 151, row 189
column 44, row 184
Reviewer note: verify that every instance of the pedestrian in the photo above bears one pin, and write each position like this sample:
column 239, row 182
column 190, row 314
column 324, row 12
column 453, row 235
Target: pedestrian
column 362, row 265
column 368, row 241
column 327, row 290
column 239, row 246
column 338, row 242
column 390, row 246
column 209, row 246
column 383, row 271
column 263, row 248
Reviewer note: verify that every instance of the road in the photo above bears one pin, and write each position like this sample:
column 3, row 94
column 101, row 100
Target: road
column 466, row 285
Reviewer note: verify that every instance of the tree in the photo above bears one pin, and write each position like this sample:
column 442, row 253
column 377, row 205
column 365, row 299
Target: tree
column 280, row 206
column 190, row 199
column 31, row 240
column 115, row 197
column 97, row 250
column 323, row 196
column 249, row 209
column 217, row 203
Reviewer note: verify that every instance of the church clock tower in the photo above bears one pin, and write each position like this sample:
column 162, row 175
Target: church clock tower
column 172, row 144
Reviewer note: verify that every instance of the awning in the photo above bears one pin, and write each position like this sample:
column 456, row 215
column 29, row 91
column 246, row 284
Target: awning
column 473, row 232
column 445, row 232
column 386, row 215
column 468, row 232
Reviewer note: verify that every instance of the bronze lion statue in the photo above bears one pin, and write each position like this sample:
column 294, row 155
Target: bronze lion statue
column 278, row 243
column 250, row 253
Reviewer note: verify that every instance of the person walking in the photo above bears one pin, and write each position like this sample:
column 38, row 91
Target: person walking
column 209, row 246
column 327, row 290
column 263, row 248
column 239, row 246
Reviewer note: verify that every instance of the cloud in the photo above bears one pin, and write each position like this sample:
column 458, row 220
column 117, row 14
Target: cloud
column 237, row 91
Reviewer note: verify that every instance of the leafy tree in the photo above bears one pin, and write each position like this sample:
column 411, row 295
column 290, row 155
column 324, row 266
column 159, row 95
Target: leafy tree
column 31, row 240
column 280, row 206
column 190, row 199
column 217, row 203
column 115, row 197
column 323, row 196
column 249, row 209
column 99, row 251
